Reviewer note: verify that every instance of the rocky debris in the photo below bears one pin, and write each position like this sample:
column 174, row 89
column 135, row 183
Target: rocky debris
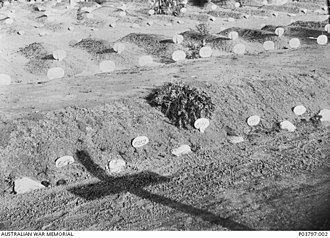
column 325, row 115
column 201, row 124
column 253, row 120
column 287, row 125
column 140, row 141
column 117, row 165
column 299, row 110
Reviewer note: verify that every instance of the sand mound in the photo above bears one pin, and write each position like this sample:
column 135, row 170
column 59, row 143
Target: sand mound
column 156, row 45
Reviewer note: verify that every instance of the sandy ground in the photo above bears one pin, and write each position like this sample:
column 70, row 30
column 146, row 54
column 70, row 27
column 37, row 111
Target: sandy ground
column 274, row 180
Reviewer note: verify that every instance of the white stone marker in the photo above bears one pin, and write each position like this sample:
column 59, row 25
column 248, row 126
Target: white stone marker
column 178, row 39
column 205, row 52
column 294, row 43
column 64, row 161
column 182, row 150
column 239, row 49
column 117, row 165
column 25, row 184
column 287, row 125
column 202, row 124
column 299, row 110
column 253, row 120
column 178, row 55
column 140, row 141
column 59, row 54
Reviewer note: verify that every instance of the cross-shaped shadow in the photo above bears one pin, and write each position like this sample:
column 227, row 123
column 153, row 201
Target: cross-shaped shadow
column 134, row 184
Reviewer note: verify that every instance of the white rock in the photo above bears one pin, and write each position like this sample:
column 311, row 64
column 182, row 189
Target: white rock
column 55, row 73
column 325, row 115
column 59, row 54
column 322, row 40
column 239, row 49
column 287, row 125
column 269, row 45
column 299, row 110
column 253, row 120
column 6, row 3
column 182, row 150
column 64, row 161
column 178, row 55
column 327, row 28
column 294, row 43
column 183, row 10
column 119, row 47
column 9, row 21
column 202, row 124
column 184, row 2
column 25, row 184
column 117, row 165
column 145, row 60
column 107, row 66
column 151, row 12
column 213, row 7
column 5, row 79
column 140, row 141
column 235, row 139
column 205, row 52
column 279, row 31
column 233, row 35
column 237, row 4
column 178, row 39
column 122, row 14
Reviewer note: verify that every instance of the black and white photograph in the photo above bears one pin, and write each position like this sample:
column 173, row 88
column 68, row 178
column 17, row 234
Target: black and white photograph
column 164, row 115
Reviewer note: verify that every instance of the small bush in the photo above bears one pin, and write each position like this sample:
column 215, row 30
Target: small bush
column 182, row 104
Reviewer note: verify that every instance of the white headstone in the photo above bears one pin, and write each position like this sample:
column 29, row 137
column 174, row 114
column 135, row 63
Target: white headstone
column 140, row 141
column 117, row 165
column 325, row 115
column 233, row 35
column 279, row 31
column 322, row 40
column 269, row 45
column 59, row 54
column 205, row 52
column 287, row 125
column 107, row 66
column 178, row 39
column 299, row 110
column 25, row 184
column 182, row 150
column 253, row 120
column 327, row 28
column 55, row 73
column 145, row 60
column 239, row 49
column 5, row 79
column 294, row 43
column 119, row 47
column 202, row 124
column 178, row 55
column 64, row 161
